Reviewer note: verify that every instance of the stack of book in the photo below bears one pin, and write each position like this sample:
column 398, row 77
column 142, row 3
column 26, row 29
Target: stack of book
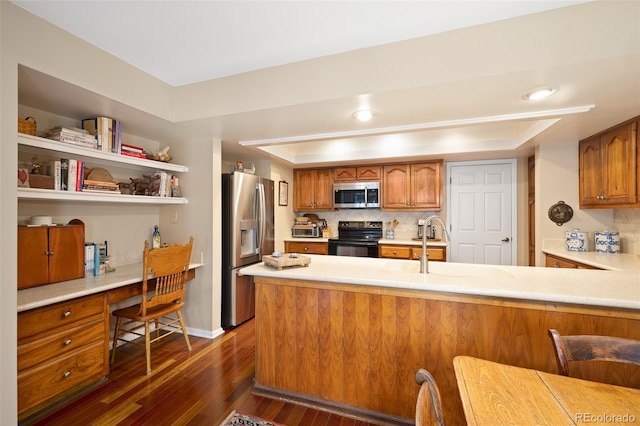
column 132, row 151
column 101, row 187
column 106, row 131
column 73, row 136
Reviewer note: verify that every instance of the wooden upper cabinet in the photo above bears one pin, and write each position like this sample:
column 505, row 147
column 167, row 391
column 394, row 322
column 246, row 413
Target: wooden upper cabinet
column 346, row 174
column 313, row 190
column 412, row 186
column 608, row 168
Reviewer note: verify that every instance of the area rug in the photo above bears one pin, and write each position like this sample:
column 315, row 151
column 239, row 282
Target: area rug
column 236, row 418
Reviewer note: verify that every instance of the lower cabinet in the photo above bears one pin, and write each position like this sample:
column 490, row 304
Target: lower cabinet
column 552, row 261
column 61, row 349
column 311, row 247
column 393, row 251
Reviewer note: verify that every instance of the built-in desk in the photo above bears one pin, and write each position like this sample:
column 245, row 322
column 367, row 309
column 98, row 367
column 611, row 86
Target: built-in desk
column 63, row 334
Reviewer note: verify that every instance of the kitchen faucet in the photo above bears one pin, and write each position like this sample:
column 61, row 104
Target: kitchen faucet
column 424, row 257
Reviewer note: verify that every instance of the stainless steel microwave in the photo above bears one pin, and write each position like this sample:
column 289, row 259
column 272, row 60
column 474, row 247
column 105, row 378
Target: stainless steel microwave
column 356, row 195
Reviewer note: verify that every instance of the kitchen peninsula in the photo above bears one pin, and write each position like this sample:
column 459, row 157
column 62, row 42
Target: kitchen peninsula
column 350, row 333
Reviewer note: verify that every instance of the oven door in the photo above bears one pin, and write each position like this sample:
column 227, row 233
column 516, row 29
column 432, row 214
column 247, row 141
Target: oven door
column 353, row 248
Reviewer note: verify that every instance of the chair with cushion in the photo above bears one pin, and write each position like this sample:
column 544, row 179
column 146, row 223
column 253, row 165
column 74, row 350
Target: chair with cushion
column 161, row 303
column 593, row 348
column 428, row 406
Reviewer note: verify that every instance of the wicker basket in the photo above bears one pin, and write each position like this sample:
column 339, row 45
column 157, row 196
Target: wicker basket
column 26, row 126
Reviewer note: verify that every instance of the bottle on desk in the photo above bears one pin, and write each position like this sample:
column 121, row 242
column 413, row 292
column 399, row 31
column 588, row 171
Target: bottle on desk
column 155, row 239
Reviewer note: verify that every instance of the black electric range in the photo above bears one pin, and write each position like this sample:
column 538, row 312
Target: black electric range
column 356, row 238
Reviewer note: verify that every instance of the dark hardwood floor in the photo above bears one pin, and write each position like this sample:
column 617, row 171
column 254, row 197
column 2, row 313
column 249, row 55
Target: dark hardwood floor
column 200, row 387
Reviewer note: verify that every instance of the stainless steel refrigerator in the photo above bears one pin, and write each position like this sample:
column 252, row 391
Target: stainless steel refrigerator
column 247, row 234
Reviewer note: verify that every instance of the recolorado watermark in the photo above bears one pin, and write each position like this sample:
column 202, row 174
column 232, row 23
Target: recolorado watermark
column 605, row 418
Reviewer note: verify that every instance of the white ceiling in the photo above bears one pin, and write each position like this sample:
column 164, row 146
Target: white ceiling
column 466, row 102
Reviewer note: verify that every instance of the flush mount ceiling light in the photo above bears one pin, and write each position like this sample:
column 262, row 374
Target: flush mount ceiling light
column 537, row 94
column 363, row 115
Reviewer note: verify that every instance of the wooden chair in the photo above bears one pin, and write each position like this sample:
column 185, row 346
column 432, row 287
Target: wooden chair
column 162, row 306
column 428, row 406
column 593, row 348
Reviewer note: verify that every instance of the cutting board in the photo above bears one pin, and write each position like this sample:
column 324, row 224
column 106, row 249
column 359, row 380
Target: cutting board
column 285, row 261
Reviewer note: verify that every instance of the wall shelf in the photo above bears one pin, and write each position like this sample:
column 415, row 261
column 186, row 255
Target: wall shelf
column 50, row 194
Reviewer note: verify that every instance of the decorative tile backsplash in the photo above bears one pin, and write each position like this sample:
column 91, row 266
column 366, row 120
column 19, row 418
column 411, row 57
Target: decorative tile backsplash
column 406, row 229
column 627, row 222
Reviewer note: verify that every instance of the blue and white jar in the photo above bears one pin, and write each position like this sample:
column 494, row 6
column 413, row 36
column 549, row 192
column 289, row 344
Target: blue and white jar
column 607, row 242
column 577, row 240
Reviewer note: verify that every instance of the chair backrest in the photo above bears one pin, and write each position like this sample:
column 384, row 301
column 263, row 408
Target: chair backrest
column 170, row 266
column 428, row 405
column 593, row 348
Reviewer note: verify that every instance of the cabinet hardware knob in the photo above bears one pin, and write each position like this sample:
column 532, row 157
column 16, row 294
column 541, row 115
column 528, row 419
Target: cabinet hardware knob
column 306, row 249
column 66, row 374
column 67, row 314
column 67, row 342
column 49, row 253
column 395, row 252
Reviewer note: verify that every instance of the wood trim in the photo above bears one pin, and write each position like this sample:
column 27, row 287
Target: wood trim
column 330, row 406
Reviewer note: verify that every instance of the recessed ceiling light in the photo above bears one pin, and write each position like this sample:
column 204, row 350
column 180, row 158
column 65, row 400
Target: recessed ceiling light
column 363, row 115
column 536, row 95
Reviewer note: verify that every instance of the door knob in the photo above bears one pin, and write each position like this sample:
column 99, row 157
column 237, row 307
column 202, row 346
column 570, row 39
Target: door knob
column 506, row 240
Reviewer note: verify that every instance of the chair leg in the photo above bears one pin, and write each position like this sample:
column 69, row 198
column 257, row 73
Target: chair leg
column 147, row 344
column 184, row 330
column 115, row 340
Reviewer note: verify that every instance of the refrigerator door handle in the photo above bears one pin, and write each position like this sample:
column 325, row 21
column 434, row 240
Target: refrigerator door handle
column 262, row 216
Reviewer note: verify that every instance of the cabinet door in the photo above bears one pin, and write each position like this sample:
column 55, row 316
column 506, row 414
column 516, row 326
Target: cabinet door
column 66, row 248
column 324, row 189
column 619, row 165
column 33, row 261
column 368, row 173
column 590, row 164
column 304, row 182
column 345, row 174
column 425, row 185
column 395, row 186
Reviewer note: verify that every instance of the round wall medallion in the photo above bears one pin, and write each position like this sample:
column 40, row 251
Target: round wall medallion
column 560, row 213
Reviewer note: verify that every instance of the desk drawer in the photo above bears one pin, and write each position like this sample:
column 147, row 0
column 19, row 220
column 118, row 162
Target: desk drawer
column 65, row 314
column 60, row 344
column 39, row 384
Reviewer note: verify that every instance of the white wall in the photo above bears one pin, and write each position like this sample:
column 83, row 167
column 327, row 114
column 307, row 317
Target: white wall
column 556, row 180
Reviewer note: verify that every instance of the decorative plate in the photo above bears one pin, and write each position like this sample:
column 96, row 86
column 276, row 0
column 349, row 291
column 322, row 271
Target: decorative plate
column 560, row 213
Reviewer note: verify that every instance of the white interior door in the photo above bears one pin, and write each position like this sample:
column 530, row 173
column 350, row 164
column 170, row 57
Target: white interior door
column 482, row 212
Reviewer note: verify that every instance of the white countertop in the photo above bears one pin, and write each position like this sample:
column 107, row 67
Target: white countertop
column 307, row 240
column 35, row 297
column 412, row 242
column 609, row 261
column 619, row 289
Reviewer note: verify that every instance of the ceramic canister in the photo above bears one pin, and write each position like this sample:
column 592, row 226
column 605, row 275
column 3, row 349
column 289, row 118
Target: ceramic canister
column 577, row 240
column 607, row 241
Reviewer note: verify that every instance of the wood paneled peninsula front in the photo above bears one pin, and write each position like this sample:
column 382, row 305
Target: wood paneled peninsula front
column 350, row 332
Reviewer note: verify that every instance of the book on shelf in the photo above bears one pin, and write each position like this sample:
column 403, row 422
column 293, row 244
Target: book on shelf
column 72, row 175
column 132, row 148
column 64, row 173
column 56, row 175
column 117, row 136
column 160, row 184
column 80, row 176
column 133, row 154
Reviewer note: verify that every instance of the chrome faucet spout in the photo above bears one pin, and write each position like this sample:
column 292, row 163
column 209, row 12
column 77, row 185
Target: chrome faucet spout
column 424, row 257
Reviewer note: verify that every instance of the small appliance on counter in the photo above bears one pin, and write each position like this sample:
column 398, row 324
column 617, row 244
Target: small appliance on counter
column 607, row 241
column 308, row 226
column 431, row 230
column 577, row 240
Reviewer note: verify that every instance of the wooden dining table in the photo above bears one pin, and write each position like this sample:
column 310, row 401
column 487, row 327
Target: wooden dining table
column 499, row 394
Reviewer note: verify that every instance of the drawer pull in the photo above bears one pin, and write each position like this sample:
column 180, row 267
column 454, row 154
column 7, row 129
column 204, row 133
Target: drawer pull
column 67, row 314
column 306, row 249
column 67, row 342
column 66, row 374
